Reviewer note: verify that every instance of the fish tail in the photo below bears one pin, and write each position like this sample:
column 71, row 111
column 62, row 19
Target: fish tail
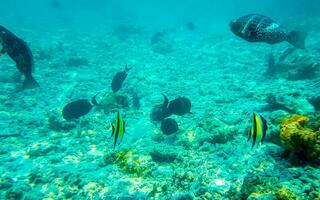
column 30, row 83
column 297, row 39
column 127, row 68
column 94, row 100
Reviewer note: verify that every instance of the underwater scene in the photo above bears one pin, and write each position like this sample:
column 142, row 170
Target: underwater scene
column 171, row 99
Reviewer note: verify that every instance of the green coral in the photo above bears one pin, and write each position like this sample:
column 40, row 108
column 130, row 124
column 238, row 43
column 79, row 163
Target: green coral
column 284, row 193
column 128, row 161
column 297, row 137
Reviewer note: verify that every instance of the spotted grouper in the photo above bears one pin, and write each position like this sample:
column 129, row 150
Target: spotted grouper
column 259, row 28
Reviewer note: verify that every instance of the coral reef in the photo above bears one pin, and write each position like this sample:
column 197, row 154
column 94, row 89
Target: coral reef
column 164, row 153
column 111, row 101
column 285, row 193
column 297, row 137
column 291, row 103
column 297, row 65
column 128, row 161
column 215, row 130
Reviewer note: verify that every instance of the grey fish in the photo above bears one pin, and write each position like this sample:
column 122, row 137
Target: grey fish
column 20, row 53
column 118, row 79
column 76, row 109
column 169, row 126
column 180, row 106
column 259, row 28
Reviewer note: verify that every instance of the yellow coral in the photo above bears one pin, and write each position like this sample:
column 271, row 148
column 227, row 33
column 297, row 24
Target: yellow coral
column 285, row 194
column 130, row 163
column 296, row 137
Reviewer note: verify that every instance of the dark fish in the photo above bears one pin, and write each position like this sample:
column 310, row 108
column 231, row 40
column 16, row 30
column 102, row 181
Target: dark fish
column 76, row 109
column 259, row 28
column 180, row 106
column 55, row 4
column 258, row 129
column 190, row 26
column 118, row 79
column 118, row 129
column 160, row 112
column 158, row 37
column 169, row 126
column 20, row 53
column 315, row 101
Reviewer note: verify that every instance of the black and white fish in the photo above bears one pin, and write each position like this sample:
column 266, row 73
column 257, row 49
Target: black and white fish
column 20, row 53
column 259, row 28
column 258, row 129
column 118, row 129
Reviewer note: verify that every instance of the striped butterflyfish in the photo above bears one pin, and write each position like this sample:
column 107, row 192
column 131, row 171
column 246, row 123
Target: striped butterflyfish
column 258, row 129
column 118, row 129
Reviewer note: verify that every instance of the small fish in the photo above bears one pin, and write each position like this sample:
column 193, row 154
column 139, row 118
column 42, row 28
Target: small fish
column 180, row 106
column 20, row 53
column 259, row 28
column 118, row 129
column 190, row 26
column 258, row 129
column 76, row 109
column 118, row 79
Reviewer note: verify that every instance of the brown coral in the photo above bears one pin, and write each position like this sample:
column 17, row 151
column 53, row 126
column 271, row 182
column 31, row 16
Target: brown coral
column 297, row 137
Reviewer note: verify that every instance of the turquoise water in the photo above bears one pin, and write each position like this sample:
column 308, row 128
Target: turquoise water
column 176, row 48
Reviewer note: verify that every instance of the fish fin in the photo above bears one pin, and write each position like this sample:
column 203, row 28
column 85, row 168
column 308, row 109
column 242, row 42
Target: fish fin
column 165, row 101
column 297, row 39
column 264, row 128
column 30, row 83
column 127, row 69
column 115, row 139
column 124, row 126
column 249, row 135
column 112, row 130
column 94, row 100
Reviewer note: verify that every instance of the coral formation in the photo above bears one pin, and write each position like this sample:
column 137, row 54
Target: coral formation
column 285, row 193
column 128, row 161
column 297, row 137
column 164, row 154
column 215, row 131
column 297, row 65
column 112, row 101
